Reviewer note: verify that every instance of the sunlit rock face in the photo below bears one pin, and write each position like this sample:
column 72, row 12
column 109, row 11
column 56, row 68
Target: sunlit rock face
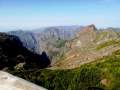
column 10, row 82
column 88, row 45
column 85, row 36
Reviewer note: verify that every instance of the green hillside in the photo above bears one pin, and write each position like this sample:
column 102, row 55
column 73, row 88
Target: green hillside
column 103, row 74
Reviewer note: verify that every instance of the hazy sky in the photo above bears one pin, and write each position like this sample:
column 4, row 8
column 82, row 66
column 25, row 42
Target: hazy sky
column 29, row 14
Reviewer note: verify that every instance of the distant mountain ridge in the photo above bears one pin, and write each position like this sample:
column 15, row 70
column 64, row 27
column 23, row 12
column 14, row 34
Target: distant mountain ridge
column 49, row 39
column 64, row 41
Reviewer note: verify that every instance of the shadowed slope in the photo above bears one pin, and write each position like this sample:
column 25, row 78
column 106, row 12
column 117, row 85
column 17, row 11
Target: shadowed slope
column 13, row 53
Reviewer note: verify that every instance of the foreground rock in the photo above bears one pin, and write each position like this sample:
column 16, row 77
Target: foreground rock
column 10, row 82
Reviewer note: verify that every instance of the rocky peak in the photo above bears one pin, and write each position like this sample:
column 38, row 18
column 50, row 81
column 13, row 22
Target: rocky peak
column 85, row 36
column 89, row 28
column 92, row 26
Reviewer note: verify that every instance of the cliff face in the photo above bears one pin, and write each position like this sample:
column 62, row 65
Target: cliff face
column 85, row 36
column 13, row 53
column 51, row 39
column 38, row 40
column 58, row 32
column 27, row 38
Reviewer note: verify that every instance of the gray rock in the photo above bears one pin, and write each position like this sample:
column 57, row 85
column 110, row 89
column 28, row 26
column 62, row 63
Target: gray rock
column 10, row 82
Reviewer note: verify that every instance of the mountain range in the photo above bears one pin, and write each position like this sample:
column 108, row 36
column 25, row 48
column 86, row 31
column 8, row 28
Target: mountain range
column 75, row 57
column 56, row 41
column 50, row 39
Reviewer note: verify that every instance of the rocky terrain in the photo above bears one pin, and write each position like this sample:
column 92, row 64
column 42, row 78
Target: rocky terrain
column 88, row 45
column 50, row 39
column 90, row 60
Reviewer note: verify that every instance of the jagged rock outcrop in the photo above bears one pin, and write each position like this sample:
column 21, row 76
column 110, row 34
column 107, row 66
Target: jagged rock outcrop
column 85, row 36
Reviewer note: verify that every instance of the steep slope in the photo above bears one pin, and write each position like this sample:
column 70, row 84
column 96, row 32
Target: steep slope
column 51, row 39
column 13, row 55
column 103, row 74
column 91, row 62
column 88, row 45
column 71, row 46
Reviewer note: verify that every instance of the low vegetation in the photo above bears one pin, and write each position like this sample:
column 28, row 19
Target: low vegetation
column 101, row 35
column 107, row 43
column 100, row 74
column 103, row 74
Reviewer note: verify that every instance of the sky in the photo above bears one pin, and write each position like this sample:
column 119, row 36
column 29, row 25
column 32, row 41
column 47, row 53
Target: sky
column 32, row 14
